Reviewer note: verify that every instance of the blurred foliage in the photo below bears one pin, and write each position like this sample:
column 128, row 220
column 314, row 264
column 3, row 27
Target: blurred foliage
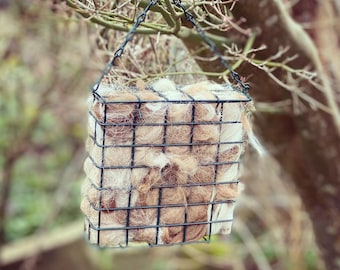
column 45, row 73
column 43, row 87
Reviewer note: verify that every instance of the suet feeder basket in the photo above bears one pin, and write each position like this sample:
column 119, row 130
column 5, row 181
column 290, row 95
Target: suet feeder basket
column 163, row 161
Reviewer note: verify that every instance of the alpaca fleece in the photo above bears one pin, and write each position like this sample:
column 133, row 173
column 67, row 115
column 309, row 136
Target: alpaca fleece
column 163, row 162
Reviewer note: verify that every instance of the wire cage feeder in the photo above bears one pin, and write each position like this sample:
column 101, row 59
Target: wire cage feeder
column 163, row 162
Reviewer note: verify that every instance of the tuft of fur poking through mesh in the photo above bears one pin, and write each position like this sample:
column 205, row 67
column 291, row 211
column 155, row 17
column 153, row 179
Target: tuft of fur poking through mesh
column 163, row 162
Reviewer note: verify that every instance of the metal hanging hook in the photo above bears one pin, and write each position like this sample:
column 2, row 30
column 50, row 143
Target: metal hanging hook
column 190, row 18
column 119, row 52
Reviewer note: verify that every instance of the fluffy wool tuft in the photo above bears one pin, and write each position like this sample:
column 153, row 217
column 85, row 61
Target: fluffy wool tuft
column 163, row 163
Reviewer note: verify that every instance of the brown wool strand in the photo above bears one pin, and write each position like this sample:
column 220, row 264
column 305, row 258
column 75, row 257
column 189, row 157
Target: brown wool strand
column 133, row 179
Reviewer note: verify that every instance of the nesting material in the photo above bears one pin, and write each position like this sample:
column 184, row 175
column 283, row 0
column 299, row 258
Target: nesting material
column 163, row 162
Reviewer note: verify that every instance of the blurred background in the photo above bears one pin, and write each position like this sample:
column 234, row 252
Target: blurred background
column 49, row 60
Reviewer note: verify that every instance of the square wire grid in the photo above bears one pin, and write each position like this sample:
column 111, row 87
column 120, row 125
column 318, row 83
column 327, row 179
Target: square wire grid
column 162, row 168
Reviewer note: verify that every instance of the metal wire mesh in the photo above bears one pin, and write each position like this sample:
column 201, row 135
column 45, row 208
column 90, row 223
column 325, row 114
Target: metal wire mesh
column 162, row 165
column 163, row 162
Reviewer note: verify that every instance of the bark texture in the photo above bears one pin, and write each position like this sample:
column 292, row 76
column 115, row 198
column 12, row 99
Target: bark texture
column 305, row 139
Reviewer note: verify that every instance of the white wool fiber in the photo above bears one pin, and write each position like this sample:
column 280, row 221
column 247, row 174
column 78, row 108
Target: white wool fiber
column 148, row 154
